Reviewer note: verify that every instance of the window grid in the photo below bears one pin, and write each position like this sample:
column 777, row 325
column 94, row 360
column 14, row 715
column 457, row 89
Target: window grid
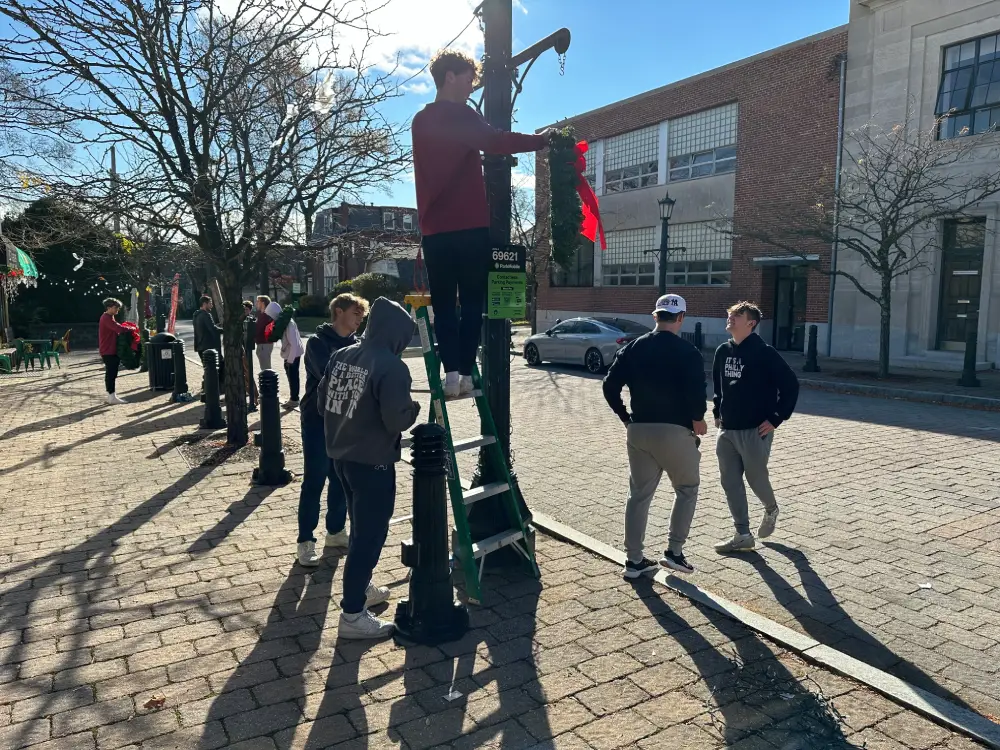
column 692, row 166
column 969, row 94
column 388, row 220
column 699, row 273
column 630, row 160
column 703, row 131
column 703, row 240
column 626, row 261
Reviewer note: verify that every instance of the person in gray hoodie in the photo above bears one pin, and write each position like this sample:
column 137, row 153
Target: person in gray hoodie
column 365, row 401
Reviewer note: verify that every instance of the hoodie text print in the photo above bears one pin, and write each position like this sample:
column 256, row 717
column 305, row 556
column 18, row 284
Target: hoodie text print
column 345, row 385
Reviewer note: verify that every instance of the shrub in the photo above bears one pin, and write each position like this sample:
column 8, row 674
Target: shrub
column 341, row 288
column 371, row 286
column 312, row 306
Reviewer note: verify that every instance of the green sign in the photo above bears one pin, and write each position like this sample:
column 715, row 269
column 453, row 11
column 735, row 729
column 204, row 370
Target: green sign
column 507, row 283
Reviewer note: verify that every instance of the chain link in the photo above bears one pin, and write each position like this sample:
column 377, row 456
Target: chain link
column 562, row 64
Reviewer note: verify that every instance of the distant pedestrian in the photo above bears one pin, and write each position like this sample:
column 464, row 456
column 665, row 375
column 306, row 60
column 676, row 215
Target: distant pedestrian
column 207, row 335
column 249, row 324
column 107, row 343
column 346, row 313
column 665, row 376
column 365, row 401
column 261, row 343
column 755, row 391
column 292, row 350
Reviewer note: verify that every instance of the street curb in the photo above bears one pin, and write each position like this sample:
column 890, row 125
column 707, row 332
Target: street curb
column 904, row 394
column 935, row 708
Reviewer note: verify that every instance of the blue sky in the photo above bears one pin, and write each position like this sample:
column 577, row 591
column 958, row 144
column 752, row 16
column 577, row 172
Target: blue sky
column 619, row 49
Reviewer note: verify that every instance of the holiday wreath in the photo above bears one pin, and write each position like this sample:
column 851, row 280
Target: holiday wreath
column 128, row 346
column 276, row 328
column 573, row 208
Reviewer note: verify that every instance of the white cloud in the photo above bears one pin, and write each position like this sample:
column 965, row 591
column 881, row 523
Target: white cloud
column 523, row 180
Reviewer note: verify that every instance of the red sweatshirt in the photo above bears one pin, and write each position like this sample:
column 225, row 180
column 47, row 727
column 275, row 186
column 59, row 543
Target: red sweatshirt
column 448, row 170
column 107, row 334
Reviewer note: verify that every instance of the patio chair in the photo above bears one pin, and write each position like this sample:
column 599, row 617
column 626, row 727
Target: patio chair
column 28, row 354
column 5, row 364
column 49, row 352
column 62, row 343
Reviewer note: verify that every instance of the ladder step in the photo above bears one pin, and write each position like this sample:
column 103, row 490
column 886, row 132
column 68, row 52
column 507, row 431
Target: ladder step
column 495, row 542
column 472, row 394
column 483, row 492
column 472, row 443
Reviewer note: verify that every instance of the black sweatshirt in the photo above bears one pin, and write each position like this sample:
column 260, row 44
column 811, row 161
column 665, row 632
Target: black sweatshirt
column 665, row 376
column 753, row 385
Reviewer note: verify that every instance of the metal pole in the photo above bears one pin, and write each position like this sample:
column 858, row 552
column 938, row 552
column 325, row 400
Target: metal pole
column 664, row 253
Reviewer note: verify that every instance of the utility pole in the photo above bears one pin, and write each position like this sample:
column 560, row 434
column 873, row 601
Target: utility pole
column 487, row 517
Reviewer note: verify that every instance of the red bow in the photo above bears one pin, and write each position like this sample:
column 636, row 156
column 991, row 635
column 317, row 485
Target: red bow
column 591, row 211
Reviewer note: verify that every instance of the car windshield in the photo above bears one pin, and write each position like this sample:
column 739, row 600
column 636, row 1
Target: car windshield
column 624, row 325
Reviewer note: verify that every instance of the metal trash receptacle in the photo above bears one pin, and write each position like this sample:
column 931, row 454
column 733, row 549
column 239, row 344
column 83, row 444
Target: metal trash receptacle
column 160, row 359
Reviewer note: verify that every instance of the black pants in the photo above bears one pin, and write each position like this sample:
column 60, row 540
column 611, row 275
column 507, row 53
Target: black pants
column 458, row 262
column 292, row 371
column 111, row 363
column 370, row 492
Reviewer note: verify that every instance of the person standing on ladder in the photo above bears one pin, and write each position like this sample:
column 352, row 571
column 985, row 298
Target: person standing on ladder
column 448, row 136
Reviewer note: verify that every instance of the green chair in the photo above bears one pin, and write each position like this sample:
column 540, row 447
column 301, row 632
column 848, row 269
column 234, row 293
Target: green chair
column 49, row 352
column 5, row 364
column 27, row 353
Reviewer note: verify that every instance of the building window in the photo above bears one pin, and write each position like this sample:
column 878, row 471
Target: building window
column 630, row 160
column 703, row 144
column 628, row 261
column 408, row 222
column 969, row 95
column 707, row 256
column 579, row 271
column 388, row 220
column 590, row 171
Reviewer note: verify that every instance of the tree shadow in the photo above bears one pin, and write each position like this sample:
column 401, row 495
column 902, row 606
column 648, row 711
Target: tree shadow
column 822, row 617
column 235, row 514
column 747, row 693
column 52, row 422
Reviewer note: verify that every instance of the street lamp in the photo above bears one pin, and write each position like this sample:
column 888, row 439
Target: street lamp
column 666, row 211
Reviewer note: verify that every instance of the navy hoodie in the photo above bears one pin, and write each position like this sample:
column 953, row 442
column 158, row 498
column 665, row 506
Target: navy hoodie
column 319, row 349
column 753, row 385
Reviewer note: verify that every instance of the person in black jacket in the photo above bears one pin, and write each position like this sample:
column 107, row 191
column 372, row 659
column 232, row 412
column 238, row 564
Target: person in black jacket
column 207, row 335
column 249, row 331
column 665, row 376
column 755, row 391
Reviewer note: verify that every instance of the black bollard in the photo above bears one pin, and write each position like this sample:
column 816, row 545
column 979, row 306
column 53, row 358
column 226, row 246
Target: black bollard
column 270, row 469
column 812, row 363
column 969, row 379
column 698, row 340
column 213, row 419
column 180, row 393
column 430, row 615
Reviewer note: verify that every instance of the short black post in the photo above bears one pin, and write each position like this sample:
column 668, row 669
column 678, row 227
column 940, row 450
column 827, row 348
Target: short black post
column 698, row 341
column 430, row 615
column 213, row 419
column 180, row 393
column 270, row 469
column 969, row 379
column 812, row 363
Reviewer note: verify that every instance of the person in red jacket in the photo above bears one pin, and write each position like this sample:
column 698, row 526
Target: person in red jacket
column 107, row 343
column 448, row 136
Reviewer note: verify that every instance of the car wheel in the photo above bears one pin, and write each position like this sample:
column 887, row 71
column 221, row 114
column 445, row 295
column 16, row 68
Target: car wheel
column 594, row 361
column 531, row 355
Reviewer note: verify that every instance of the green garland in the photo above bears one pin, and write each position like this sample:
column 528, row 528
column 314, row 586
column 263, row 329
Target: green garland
column 565, row 207
column 129, row 357
column 277, row 329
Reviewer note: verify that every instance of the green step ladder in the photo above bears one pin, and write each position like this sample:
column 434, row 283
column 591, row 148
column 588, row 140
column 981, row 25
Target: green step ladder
column 471, row 555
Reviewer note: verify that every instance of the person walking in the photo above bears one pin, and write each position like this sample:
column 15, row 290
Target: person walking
column 292, row 350
column 207, row 335
column 249, row 330
column 262, row 345
column 346, row 313
column 665, row 376
column 755, row 392
column 454, row 217
column 365, row 400
column 107, row 344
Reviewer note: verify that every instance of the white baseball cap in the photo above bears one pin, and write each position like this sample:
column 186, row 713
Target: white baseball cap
column 671, row 303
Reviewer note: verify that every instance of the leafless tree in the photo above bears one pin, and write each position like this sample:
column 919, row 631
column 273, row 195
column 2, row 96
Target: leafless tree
column 897, row 183
column 224, row 119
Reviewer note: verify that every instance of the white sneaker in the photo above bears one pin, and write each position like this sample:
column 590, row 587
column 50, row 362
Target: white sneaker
column 376, row 595
column 307, row 555
column 363, row 626
column 291, row 403
column 114, row 399
column 767, row 524
column 739, row 543
column 452, row 384
column 465, row 385
column 339, row 540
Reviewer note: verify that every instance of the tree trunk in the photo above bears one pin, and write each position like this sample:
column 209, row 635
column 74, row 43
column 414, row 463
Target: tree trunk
column 265, row 281
column 884, row 329
column 232, row 337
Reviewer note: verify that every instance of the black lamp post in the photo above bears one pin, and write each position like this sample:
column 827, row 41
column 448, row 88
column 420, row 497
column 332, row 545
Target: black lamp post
column 666, row 211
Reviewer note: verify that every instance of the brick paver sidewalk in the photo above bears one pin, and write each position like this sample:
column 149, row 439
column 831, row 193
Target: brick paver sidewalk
column 128, row 575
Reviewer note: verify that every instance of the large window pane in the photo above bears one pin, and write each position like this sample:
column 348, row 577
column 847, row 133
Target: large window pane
column 951, row 57
column 987, row 49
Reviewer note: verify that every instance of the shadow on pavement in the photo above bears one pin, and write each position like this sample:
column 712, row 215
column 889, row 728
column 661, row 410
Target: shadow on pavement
column 236, row 513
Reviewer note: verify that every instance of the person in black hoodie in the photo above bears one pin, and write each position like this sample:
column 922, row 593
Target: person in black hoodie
column 665, row 376
column 207, row 335
column 755, row 391
column 346, row 313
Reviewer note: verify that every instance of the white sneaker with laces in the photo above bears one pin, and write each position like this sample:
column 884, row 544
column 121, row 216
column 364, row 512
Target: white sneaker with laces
column 739, row 543
column 363, row 626
column 376, row 595
column 452, row 384
column 767, row 524
column 465, row 385
column 113, row 398
column 307, row 554
column 339, row 540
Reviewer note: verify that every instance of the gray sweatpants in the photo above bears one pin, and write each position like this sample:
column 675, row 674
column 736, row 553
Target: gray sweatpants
column 652, row 450
column 744, row 452
column 264, row 356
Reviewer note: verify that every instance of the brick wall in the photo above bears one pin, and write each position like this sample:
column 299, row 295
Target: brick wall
column 786, row 146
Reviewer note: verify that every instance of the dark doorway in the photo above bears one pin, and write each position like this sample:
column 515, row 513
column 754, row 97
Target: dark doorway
column 961, row 282
column 790, row 308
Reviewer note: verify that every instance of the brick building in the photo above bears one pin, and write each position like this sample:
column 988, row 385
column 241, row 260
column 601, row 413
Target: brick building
column 725, row 144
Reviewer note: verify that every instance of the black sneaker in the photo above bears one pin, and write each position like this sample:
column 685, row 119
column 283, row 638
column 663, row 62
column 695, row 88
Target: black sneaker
column 676, row 562
column 634, row 570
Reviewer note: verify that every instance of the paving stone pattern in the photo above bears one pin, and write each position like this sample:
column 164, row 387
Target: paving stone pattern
column 888, row 545
column 128, row 575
